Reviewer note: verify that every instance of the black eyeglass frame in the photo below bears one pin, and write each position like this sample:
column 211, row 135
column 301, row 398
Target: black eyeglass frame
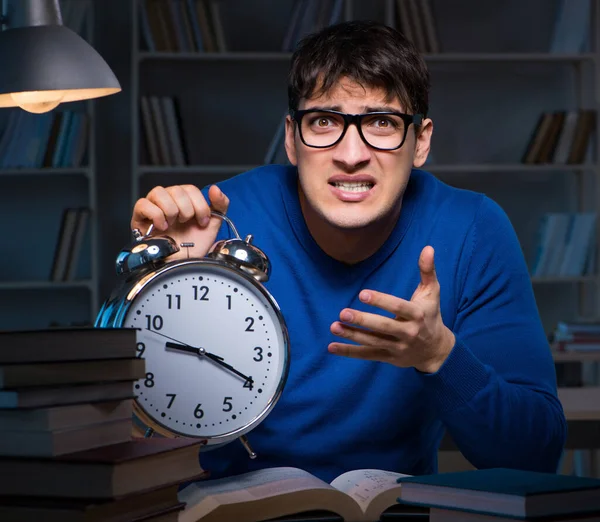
column 356, row 119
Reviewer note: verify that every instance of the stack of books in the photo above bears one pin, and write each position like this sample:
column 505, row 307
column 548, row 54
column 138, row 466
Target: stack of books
column 510, row 495
column 66, row 447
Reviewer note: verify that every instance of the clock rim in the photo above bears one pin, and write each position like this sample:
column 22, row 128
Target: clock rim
column 114, row 313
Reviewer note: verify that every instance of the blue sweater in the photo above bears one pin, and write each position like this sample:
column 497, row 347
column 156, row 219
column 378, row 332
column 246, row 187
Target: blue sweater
column 496, row 392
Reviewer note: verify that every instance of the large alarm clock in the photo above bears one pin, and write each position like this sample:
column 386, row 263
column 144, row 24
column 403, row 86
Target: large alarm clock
column 214, row 340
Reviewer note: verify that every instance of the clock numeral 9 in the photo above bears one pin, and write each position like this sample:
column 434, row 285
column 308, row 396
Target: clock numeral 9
column 172, row 395
column 227, row 406
column 198, row 412
column 250, row 322
column 140, row 348
column 149, row 381
column 154, row 323
column 177, row 301
column 200, row 294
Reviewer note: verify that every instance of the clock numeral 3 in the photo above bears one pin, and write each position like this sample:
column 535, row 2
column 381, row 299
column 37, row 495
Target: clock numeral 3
column 250, row 322
column 259, row 355
column 200, row 294
column 172, row 395
column 149, row 381
column 140, row 348
column 227, row 406
column 154, row 323
column 198, row 413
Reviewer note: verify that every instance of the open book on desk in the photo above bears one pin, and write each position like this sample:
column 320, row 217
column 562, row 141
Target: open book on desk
column 356, row 496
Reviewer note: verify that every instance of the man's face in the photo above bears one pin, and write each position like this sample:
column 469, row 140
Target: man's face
column 352, row 185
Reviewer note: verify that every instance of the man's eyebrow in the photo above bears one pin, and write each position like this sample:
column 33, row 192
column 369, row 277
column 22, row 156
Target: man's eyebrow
column 338, row 108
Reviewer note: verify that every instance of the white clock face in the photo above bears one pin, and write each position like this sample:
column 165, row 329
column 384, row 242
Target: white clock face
column 216, row 351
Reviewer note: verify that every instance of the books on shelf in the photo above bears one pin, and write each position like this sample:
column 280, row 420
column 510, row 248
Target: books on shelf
column 561, row 137
column 566, row 245
column 415, row 19
column 504, row 492
column 359, row 495
column 572, row 27
column 162, row 129
column 56, row 139
column 576, row 336
column 307, row 16
column 182, row 26
column 73, row 227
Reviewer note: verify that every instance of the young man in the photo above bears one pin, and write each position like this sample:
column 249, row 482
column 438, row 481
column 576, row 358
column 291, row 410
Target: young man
column 408, row 302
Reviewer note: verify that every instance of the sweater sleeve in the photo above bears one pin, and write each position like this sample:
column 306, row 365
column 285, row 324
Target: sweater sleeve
column 496, row 391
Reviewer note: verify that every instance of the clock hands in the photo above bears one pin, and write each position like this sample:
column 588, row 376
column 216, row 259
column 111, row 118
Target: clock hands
column 201, row 352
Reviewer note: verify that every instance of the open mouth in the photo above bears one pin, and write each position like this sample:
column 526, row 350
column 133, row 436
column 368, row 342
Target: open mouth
column 358, row 187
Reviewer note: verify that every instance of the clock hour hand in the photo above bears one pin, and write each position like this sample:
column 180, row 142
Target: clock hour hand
column 203, row 353
column 191, row 349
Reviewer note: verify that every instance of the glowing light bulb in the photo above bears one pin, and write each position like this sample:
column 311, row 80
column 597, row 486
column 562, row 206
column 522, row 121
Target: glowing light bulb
column 38, row 101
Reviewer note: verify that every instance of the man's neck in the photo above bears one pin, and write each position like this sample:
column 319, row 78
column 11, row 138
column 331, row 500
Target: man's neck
column 349, row 246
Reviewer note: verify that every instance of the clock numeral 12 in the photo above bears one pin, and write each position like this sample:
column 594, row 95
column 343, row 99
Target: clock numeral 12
column 200, row 294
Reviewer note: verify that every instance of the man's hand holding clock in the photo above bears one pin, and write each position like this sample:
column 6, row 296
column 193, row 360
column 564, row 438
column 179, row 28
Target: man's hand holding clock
column 185, row 213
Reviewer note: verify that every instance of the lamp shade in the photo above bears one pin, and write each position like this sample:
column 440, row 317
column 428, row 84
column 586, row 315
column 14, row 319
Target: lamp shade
column 53, row 64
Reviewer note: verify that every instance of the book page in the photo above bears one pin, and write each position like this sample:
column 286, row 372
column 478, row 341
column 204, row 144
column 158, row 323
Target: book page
column 207, row 495
column 364, row 485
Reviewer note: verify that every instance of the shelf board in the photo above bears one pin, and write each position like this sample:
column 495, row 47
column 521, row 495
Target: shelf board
column 44, row 285
column 48, row 171
column 195, row 169
column 431, row 58
column 506, row 167
column 575, row 356
column 432, row 167
column 564, row 279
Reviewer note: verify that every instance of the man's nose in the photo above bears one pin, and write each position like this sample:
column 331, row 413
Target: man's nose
column 352, row 150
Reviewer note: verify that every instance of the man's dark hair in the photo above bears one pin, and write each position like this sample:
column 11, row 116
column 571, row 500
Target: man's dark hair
column 367, row 52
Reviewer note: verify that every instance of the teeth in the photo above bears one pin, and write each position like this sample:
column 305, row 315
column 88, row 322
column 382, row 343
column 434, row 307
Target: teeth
column 353, row 186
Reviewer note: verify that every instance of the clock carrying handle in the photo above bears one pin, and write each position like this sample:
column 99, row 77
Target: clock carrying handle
column 137, row 234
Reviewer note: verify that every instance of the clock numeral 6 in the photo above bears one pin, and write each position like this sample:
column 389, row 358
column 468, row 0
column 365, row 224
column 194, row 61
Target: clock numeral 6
column 198, row 412
column 154, row 323
column 227, row 406
column 149, row 381
column 140, row 348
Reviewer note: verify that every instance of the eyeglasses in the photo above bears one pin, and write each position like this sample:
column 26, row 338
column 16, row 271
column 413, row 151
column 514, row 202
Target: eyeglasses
column 381, row 130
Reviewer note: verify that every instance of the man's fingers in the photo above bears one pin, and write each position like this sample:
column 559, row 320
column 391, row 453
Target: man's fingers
column 427, row 267
column 144, row 212
column 218, row 200
column 401, row 308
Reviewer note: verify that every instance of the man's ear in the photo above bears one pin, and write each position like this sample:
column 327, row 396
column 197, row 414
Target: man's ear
column 290, row 142
column 423, row 143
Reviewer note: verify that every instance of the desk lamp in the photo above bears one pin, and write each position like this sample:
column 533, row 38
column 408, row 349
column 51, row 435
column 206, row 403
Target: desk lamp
column 43, row 63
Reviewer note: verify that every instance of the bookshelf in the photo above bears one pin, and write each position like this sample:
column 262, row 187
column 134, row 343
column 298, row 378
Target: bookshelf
column 490, row 82
column 32, row 201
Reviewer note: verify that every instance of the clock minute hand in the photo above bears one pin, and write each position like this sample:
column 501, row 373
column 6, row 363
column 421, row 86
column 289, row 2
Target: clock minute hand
column 201, row 352
column 220, row 361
